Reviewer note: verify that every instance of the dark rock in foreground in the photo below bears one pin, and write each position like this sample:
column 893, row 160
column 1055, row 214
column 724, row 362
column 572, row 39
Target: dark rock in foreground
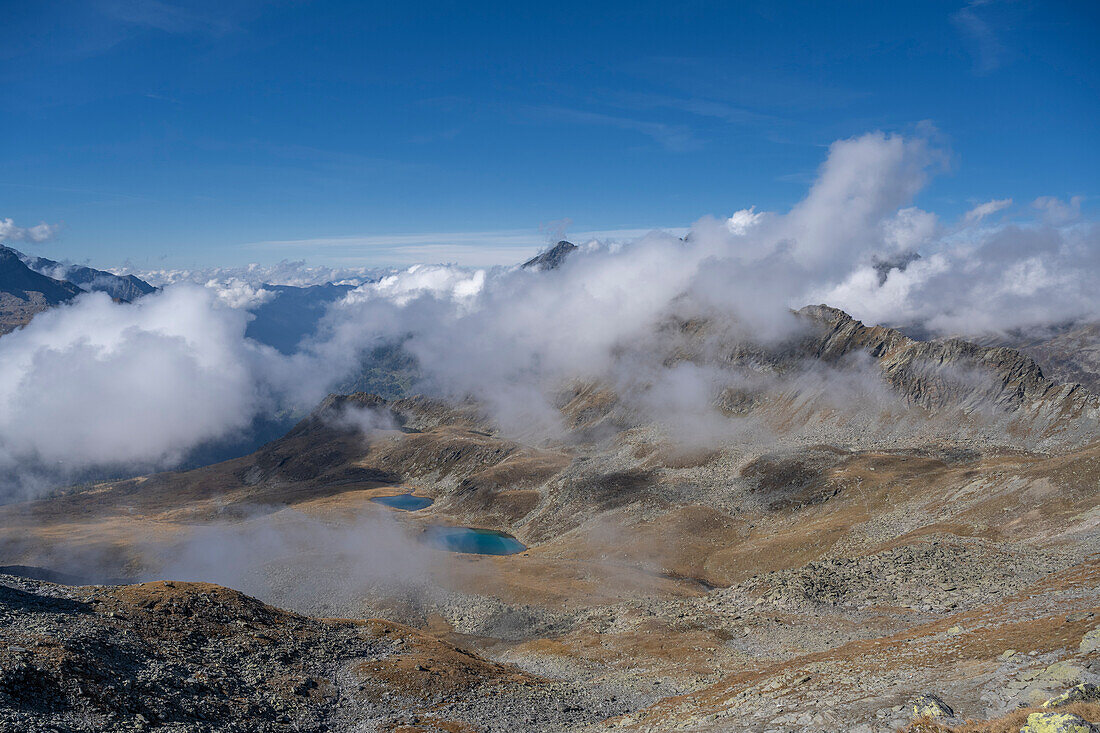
column 199, row 657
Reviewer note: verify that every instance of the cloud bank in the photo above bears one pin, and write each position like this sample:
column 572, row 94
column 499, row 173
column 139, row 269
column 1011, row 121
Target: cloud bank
column 287, row 272
column 100, row 382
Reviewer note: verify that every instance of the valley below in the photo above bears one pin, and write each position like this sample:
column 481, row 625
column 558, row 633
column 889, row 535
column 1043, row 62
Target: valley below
column 820, row 566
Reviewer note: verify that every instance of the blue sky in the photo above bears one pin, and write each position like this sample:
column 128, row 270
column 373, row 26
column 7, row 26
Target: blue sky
column 186, row 134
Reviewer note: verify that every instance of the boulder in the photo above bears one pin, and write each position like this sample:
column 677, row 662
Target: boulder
column 1080, row 693
column 1057, row 723
column 931, row 706
column 1090, row 642
column 1064, row 671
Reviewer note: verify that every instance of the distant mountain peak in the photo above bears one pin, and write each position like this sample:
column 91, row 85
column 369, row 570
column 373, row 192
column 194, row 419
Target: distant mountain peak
column 21, row 281
column 552, row 258
column 24, row 292
column 119, row 287
column 30, row 285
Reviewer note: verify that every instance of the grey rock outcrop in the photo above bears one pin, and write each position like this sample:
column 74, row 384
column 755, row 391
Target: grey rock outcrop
column 552, row 258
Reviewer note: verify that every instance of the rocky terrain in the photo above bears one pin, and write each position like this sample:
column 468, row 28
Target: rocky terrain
column 934, row 531
column 199, row 657
column 1069, row 354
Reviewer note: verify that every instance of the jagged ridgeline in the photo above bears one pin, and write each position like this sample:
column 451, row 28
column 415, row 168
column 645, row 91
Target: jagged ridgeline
column 834, row 380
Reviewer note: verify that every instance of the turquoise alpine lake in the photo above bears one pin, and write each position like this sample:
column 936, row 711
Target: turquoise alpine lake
column 406, row 502
column 474, row 541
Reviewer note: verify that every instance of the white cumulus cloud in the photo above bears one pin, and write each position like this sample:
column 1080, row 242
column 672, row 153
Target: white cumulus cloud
column 38, row 233
column 101, row 383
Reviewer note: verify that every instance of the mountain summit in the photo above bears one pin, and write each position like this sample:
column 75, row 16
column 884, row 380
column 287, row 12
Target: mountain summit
column 552, row 258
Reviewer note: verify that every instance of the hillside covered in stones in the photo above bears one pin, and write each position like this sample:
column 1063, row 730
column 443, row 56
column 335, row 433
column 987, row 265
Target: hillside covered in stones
column 818, row 572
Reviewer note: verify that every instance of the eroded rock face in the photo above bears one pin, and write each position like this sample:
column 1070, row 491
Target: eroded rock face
column 120, row 287
column 939, row 373
column 1067, row 355
column 24, row 292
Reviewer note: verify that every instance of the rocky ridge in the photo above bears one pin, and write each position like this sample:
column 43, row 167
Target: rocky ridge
column 197, row 657
column 120, row 287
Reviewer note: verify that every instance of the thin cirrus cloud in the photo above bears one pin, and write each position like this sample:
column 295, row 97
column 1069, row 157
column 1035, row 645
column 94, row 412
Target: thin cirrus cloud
column 473, row 249
column 677, row 138
column 168, row 17
column 986, row 47
column 981, row 211
column 698, row 106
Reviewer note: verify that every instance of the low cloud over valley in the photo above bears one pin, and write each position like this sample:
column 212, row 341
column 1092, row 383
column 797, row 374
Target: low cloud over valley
column 96, row 383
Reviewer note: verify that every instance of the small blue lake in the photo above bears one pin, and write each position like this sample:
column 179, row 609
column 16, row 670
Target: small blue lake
column 475, row 541
column 407, row 502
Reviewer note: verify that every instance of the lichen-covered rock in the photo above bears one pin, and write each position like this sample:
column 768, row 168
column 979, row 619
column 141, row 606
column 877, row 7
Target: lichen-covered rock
column 1080, row 693
column 1057, row 723
column 1090, row 642
column 1064, row 671
column 931, row 706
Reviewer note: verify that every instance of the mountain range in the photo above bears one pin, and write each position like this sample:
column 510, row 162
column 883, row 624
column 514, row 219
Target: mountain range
column 30, row 285
column 863, row 531
column 120, row 287
column 842, row 560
